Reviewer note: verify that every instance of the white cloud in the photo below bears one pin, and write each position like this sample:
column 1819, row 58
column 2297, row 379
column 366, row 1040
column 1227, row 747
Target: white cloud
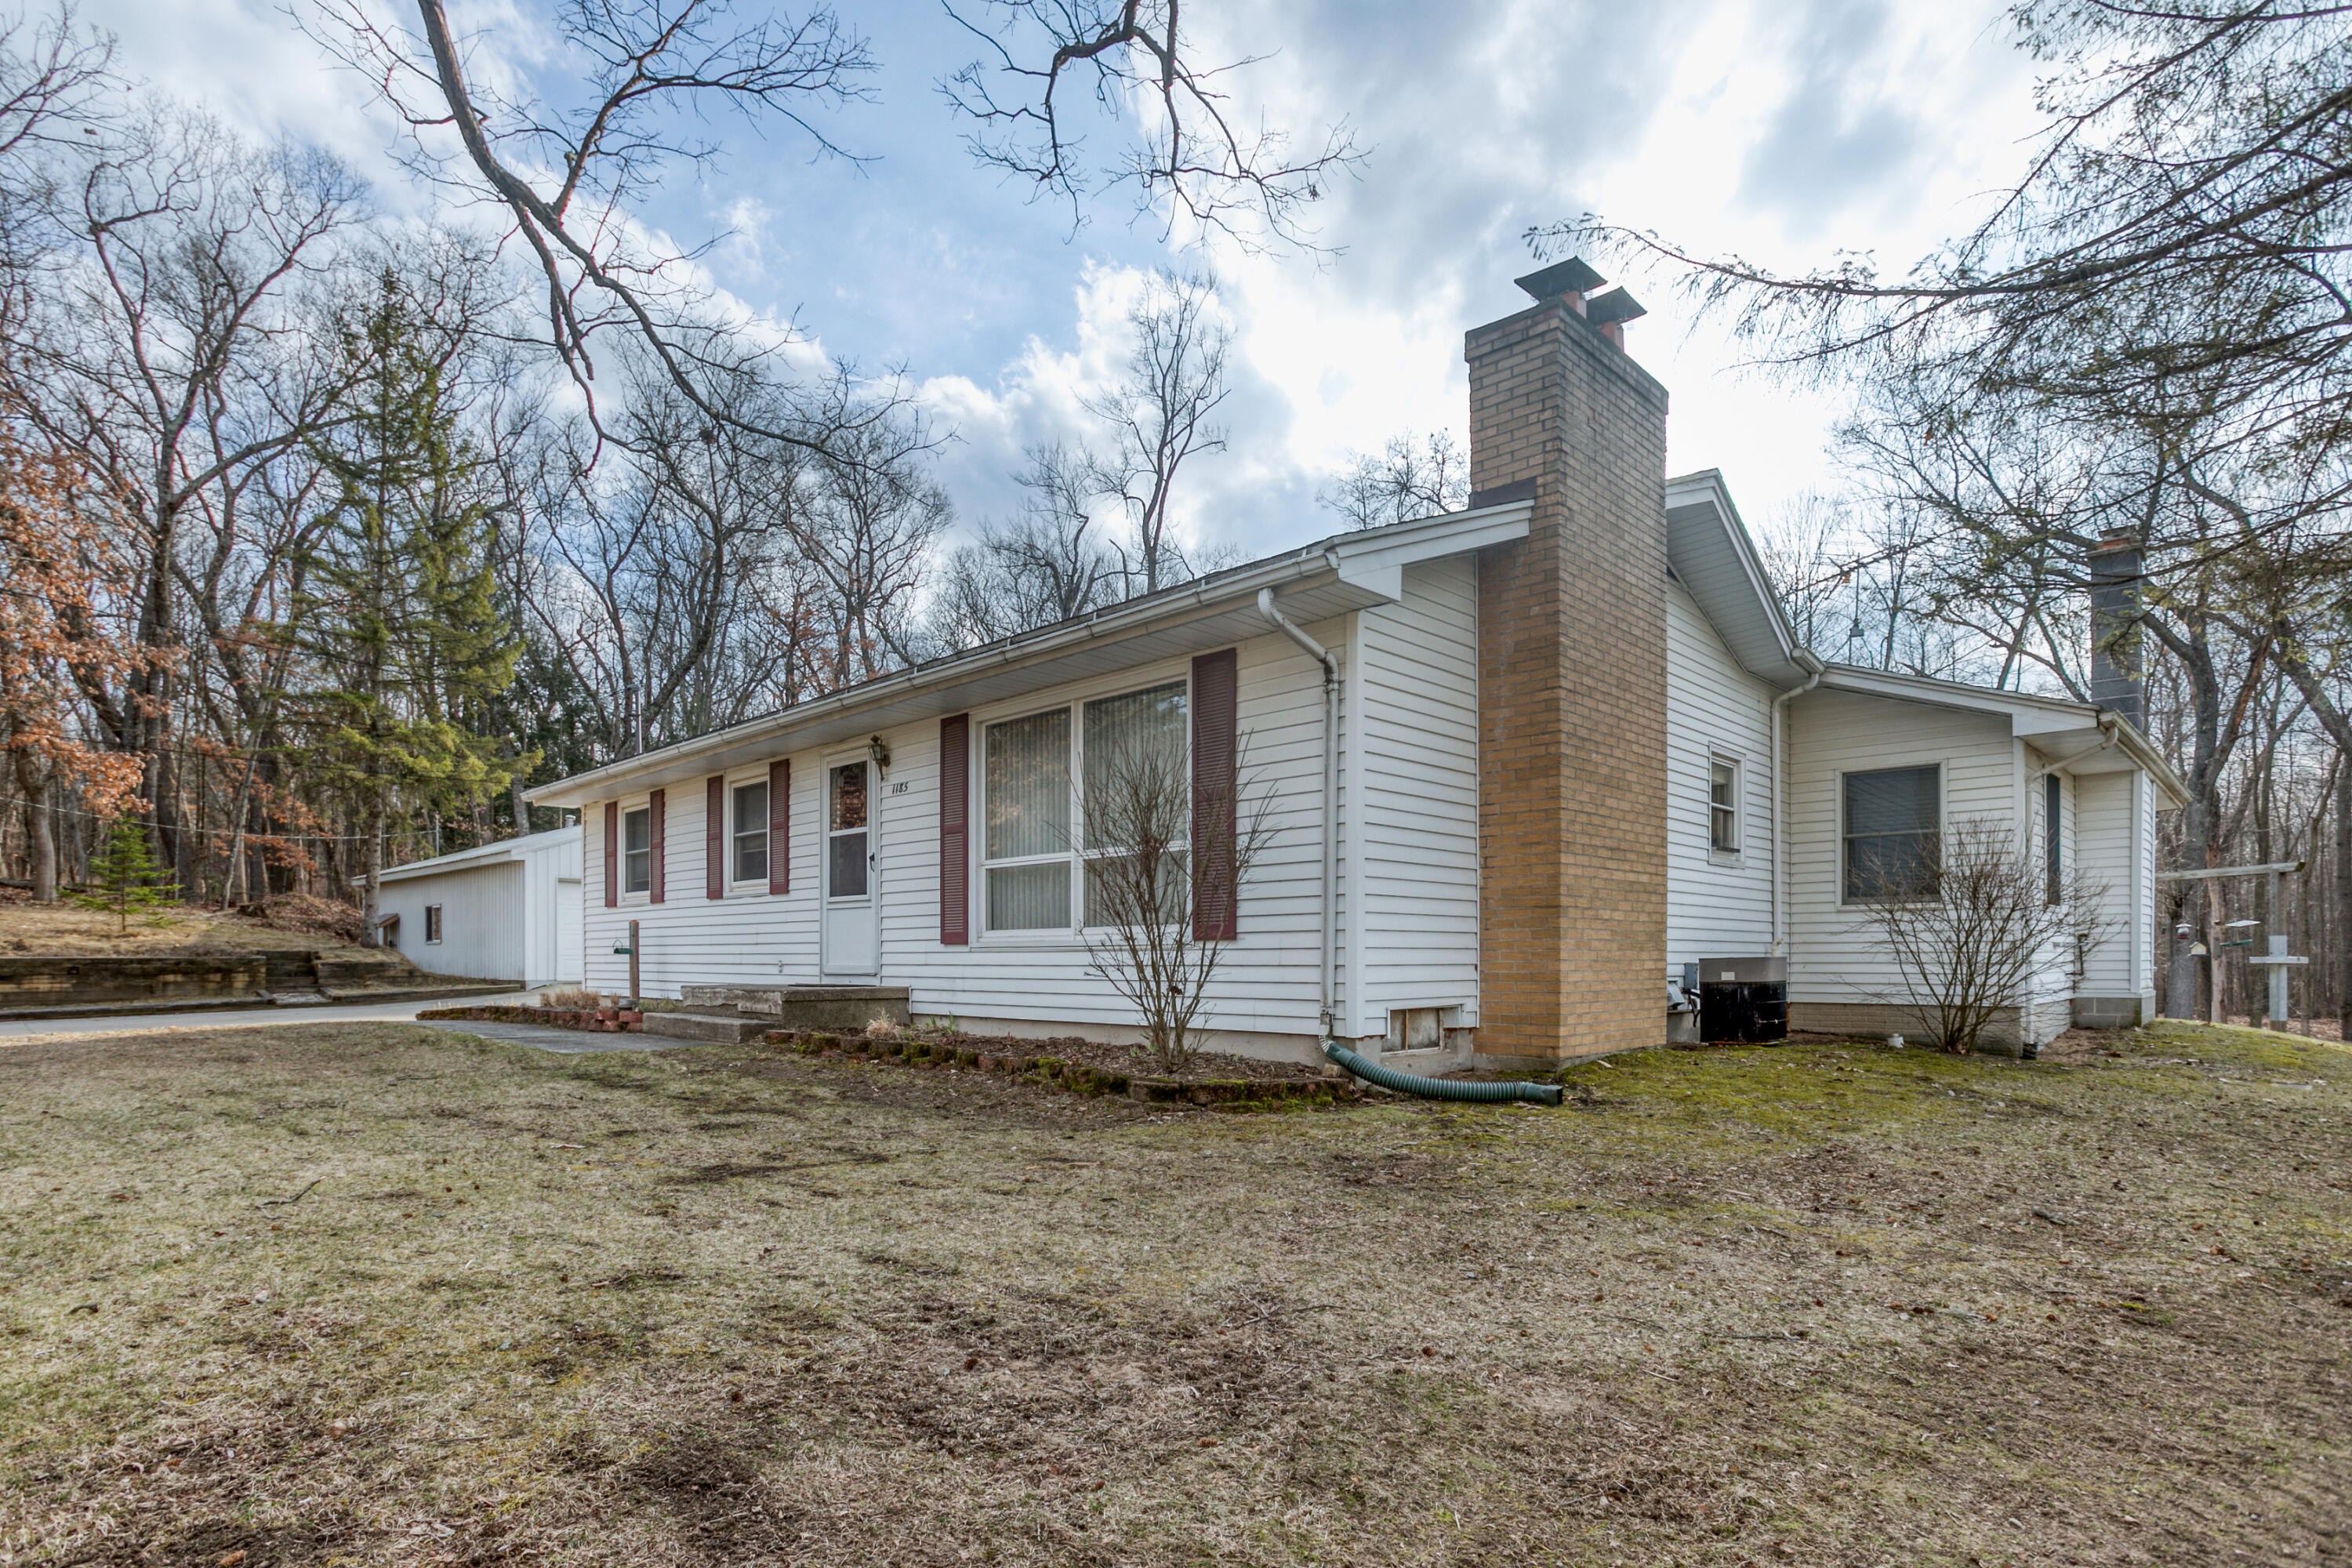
column 1780, row 129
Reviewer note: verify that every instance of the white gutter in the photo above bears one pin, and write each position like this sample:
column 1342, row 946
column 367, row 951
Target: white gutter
column 1322, row 656
column 1803, row 658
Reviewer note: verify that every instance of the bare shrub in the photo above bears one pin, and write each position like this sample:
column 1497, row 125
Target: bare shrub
column 1149, row 840
column 574, row 997
column 1970, row 920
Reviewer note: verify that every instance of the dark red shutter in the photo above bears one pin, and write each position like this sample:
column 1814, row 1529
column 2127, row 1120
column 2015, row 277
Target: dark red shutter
column 660, row 868
column 1216, row 702
column 714, row 839
column 780, row 828
column 612, row 854
column 955, row 830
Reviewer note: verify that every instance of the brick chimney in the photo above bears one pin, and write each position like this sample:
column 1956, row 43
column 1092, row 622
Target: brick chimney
column 2114, row 629
column 1572, row 698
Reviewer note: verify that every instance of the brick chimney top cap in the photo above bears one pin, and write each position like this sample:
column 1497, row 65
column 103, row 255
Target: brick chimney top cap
column 1569, row 277
column 1614, row 306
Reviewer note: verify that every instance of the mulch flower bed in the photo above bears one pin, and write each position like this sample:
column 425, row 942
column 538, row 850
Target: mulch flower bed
column 1085, row 1067
column 599, row 1020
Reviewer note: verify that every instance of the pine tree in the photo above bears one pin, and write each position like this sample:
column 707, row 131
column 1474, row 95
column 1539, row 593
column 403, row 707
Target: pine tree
column 397, row 622
column 125, row 877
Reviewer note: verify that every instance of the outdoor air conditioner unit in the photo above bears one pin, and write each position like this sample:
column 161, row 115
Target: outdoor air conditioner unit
column 1743, row 1000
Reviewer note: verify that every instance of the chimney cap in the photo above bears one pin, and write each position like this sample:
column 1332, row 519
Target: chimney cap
column 1614, row 306
column 1569, row 277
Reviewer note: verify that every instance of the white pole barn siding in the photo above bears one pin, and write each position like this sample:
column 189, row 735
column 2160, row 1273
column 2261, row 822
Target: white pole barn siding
column 500, row 915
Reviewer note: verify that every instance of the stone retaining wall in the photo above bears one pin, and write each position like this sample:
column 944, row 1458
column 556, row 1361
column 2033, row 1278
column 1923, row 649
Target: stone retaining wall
column 81, row 980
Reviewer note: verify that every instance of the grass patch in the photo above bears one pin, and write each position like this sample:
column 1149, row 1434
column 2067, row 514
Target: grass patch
column 369, row 1292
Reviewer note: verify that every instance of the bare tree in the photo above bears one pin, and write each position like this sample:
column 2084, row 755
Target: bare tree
column 1049, row 564
column 1149, row 836
column 656, row 66
column 1401, row 481
column 1161, row 412
column 1187, row 149
column 168, row 353
column 54, row 75
column 1970, row 919
column 866, row 527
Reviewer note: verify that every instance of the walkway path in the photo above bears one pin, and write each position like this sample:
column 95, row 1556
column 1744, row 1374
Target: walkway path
column 566, row 1040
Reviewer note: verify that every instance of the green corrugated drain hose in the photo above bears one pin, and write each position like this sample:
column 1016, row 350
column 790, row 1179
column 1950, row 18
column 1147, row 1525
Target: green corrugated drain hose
column 1439, row 1088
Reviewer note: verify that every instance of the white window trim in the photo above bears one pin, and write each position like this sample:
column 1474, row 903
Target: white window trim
column 643, row 895
column 1943, row 766
column 730, row 783
column 1738, row 767
column 1072, row 699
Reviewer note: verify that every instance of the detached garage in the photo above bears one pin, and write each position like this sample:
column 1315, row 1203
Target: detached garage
column 505, row 912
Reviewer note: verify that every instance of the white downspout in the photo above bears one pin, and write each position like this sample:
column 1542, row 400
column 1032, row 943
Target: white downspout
column 1322, row 656
column 1813, row 668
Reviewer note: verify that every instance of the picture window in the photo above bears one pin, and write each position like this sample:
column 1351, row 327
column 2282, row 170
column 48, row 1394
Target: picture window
column 1040, row 852
column 1894, row 823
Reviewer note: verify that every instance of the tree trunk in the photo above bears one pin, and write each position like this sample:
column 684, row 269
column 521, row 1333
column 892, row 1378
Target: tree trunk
column 2344, row 895
column 372, row 885
column 42, row 845
column 521, row 807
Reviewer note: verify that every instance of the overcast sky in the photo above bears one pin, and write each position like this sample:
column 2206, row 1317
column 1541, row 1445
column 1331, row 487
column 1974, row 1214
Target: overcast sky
column 1786, row 131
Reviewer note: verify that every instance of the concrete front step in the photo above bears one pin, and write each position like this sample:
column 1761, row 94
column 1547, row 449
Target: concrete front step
column 713, row 1028
column 840, row 1008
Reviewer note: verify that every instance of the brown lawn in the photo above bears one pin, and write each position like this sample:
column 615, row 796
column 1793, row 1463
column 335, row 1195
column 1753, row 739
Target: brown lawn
column 1820, row 1304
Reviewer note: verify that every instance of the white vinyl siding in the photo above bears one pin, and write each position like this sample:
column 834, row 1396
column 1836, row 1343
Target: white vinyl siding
column 1411, row 866
column 1834, row 955
column 2108, row 838
column 745, row 938
column 1718, row 905
column 1266, row 983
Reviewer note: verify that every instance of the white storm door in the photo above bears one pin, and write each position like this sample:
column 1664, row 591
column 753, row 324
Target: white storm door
column 570, row 944
column 853, row 927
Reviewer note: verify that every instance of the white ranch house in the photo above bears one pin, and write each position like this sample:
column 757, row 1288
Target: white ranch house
column 1577, row 748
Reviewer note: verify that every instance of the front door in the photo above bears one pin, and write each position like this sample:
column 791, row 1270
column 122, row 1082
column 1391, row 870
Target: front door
column 852, row 946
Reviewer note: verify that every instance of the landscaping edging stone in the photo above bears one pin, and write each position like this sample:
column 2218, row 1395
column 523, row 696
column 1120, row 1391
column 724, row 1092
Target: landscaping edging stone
column 600, row 1020
column 1075, row 1078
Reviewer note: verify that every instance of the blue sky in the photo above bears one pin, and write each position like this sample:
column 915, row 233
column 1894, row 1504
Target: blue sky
column 1782, row 131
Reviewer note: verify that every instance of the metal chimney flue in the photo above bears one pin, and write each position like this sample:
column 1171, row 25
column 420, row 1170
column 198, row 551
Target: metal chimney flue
column 2116, row 576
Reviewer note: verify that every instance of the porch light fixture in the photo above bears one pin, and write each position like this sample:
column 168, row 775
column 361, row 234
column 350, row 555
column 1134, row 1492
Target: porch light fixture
column 879, row 750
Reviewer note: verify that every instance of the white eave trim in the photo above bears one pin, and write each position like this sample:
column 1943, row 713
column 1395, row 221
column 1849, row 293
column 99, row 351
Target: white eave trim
column 506, row 849
column 1707, row 488
column 2028, row 715
column 1371, row 561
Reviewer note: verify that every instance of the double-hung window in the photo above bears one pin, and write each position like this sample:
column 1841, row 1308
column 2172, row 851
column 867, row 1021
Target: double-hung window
column 1065, row 795
column 637, row 849
column 1723, row 806
column 751, row 832
column 1893, row 828
column 432, row 922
